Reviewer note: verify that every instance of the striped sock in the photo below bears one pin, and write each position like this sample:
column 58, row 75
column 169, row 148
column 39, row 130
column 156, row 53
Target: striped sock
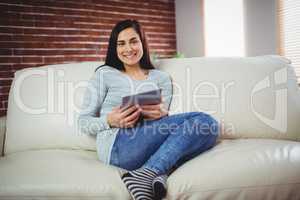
column 159, row 186
column 139, row 183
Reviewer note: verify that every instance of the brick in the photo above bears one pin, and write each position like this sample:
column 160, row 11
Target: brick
column 145, row 4
column 44, row 45
column 6, row 52
column 5, row 37
column 58, row 38
column 156, row 5
column 97, row 5
column 32, row 60
column 167, row 29
column 4, row 89
column 10, row 44
column 2, row 112
column 83, row 59
column 161, row 40
column 4, row 67
column 54, row 60
column 22, row 66
column 3, row 97
column 166, row 46
column 6, row 15
column 6, row 74
column 4, row 82
column 54, row 52
column 15, row 30
column 37, row 31
column 21, row 23
column 16, row 8
column 5, row 104
column 10, row 59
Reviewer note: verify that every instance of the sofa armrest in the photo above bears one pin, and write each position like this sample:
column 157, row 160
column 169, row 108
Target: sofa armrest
column 2, row 134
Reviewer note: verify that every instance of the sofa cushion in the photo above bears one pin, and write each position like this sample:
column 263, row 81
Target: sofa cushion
column 43, row 107
column 234, row 169
column 252, row 97
column 240, row 169
column 59, row 174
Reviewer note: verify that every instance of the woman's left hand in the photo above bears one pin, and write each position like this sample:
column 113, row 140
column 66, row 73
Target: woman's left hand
column 153, row 112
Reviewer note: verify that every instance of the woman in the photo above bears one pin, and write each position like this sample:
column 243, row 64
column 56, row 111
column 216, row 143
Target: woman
column 148, row 148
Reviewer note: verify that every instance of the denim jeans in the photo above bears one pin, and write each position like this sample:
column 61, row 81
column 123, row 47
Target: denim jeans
column 166, row 143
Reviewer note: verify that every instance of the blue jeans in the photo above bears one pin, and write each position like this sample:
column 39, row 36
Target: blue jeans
column 166, row 143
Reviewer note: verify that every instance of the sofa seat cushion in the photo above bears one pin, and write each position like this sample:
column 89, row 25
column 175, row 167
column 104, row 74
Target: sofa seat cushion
column 240, row 169
column 234, row 169
column 59, row 174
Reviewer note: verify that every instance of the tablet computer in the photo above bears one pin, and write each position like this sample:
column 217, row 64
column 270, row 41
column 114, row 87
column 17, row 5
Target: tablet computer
column 145, row 98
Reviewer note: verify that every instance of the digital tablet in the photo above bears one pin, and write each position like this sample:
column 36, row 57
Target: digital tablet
column 145, row 98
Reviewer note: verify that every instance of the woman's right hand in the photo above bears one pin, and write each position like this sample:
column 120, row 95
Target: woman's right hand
column 123, row 117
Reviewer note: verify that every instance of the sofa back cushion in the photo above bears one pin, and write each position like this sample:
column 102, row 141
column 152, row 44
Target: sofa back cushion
column 250, row 97
column 43, row 107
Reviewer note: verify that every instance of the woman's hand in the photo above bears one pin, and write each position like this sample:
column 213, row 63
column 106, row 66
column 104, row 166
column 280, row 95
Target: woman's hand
column 153, row 112
column 124, row 117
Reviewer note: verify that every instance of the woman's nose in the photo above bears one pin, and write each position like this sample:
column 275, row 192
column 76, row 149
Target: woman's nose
column 127, row 47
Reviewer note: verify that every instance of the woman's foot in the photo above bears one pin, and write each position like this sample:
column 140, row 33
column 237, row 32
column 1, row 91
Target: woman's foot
column 159, row 186
column 139, row 183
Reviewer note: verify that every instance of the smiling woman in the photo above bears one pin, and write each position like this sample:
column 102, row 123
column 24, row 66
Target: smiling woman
column 150, row 148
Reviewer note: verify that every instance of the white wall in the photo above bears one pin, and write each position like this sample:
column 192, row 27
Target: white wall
column 260, row 27
column 189, row 28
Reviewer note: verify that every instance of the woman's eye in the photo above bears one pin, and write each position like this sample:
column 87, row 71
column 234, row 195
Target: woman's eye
column 134, row 41
column 120, row 44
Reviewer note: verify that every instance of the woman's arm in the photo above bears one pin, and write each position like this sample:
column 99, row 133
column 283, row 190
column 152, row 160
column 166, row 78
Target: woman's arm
column 94, row 96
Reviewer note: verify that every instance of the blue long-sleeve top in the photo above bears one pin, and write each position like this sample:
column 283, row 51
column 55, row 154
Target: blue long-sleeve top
column 104, row 92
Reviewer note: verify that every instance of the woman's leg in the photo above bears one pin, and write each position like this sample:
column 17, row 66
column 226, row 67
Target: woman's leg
column 166, row 142
column 192, row 137
column 158, row 144
column 134, row 146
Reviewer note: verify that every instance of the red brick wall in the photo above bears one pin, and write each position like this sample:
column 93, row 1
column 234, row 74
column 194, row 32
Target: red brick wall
column 40, row 32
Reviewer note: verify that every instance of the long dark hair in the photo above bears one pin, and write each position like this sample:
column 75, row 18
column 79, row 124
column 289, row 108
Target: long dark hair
column 112, row 56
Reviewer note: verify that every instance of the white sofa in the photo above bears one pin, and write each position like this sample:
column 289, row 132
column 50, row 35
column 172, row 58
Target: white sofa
column 255, row 99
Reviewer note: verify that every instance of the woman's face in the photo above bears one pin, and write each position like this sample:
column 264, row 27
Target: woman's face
column 129, row 47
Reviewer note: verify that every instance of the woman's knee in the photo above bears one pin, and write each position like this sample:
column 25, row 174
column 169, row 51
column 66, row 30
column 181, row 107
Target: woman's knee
column 207, row 130
column 205, row 124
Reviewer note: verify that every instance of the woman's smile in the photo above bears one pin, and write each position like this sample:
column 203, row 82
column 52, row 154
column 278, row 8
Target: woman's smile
column 130, row 55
